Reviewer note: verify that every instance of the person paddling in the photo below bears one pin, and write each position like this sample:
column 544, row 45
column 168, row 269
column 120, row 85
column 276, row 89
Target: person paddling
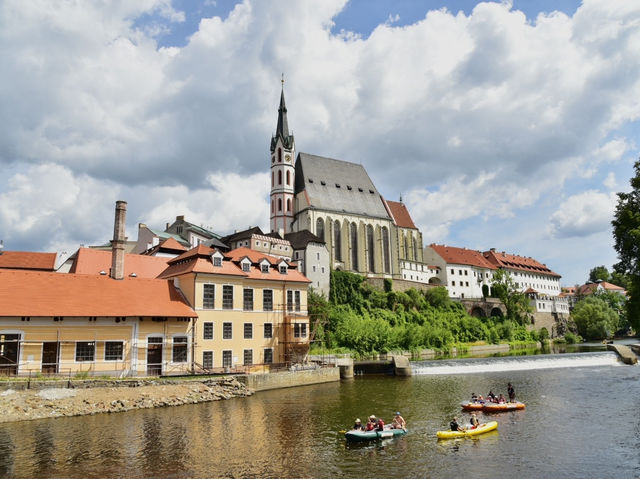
column 511, row 392
column 455, row 426
column 398, row 422
column 474, row 421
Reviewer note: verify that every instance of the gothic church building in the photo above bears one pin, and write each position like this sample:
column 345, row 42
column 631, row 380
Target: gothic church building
column 337, row 201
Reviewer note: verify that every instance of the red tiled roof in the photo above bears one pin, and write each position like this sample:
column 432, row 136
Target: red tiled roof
column 45, row 294
column 28, row 260
column 470, row 257
column 400, row 214
column 590, row 288
column 198, row 260
column 521, row 263
column 92, row 261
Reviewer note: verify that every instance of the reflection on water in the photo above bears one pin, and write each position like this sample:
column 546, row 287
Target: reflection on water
column 295, row 432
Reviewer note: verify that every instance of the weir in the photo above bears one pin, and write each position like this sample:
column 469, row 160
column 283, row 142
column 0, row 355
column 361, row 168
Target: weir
column 517, row 363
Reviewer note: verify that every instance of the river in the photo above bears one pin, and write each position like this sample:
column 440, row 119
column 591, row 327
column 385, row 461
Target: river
column 582, row 420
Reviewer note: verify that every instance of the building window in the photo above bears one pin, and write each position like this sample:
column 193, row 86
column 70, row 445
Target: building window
column 85, row 351
column 267, row 300
column 288, row 204
column 460, row 271
column 248, row 357
column 283, row 269
column 320, row 228
column 466, row 273
column 354, row 247
column 227, row 360
column 207, row 330
column 227, row 296
column 370, row 250
column 268, row 355
column 264, row 268
column 385, row 250
column 207, row 359
column 337, row 241
column 227, row 330
column 113, row 351
column 453, row 271
column 297, row 298
column 453, row 283
column 246, row 267
column 300, row 330
column 208, row 296
column 179, row 349
column 248, row 330
column 279, row 204
column 280, row 177
column 247, row 299
column 289, row 300
column 217, row 261
column 268, row 330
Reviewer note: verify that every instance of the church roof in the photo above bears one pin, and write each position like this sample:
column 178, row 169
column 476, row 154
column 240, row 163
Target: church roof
column 400, row 214
column 339, row 186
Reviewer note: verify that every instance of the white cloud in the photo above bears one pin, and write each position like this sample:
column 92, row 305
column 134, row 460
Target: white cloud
column 583, row 214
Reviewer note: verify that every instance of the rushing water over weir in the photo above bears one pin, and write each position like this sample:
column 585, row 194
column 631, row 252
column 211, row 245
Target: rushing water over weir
column 515, row 363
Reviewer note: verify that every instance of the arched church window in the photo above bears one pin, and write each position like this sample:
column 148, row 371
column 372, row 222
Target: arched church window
column 354, row 247
column 370, row 251
column 320, row 228
column 272, row 206
column 288, row 177
column 406, row 247
column 273, row 177
column 415, row 249
column 279, row 204
column 279, row 155
column 288, row 204
column 279, row 177
column 337, row 241
column 385, row 250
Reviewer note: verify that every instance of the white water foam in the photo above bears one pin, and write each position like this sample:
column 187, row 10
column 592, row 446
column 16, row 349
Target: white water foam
column 515, row 363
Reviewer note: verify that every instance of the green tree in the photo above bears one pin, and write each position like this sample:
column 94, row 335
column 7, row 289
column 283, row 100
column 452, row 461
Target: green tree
column 626, row 233
column 594, row 318
column 599, row 273
column 620, row 279
column 517, row 304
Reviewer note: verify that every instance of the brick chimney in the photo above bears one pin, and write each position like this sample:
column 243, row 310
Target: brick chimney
column 118, row 242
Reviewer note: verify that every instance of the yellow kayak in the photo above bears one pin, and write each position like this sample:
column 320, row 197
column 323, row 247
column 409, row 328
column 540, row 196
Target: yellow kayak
column 481, row 429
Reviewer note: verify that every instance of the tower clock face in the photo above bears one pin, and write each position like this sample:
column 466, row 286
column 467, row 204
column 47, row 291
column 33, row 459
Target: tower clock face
column 287, row 158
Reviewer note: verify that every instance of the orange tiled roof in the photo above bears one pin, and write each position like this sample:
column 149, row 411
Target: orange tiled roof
column 470, row 257
column 45, row 294
column 590, row 288
column 198, row 260
column 92, row 261
column 521, row 263
column 28, row 260
column 400, row 214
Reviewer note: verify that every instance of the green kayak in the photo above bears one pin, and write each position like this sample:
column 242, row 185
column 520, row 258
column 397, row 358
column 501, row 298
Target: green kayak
column 358, row 436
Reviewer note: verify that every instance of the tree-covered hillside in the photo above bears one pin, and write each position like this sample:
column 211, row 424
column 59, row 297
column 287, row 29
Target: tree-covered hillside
column 365, row 320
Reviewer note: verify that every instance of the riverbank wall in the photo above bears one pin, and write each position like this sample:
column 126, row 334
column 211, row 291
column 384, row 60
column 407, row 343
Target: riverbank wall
column 286, row 379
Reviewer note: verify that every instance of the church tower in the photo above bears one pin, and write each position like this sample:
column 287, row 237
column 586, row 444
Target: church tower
column 283, row 151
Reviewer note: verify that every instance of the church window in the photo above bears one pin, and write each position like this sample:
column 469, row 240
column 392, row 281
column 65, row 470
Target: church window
column 354, row 247
column 273, row 159
column 320, row 228
column 415, row 251
column 323, row 183
column 280, row 177
column 370, row 251
column 272, row 178
column 289, row 204
column 279, row 204
column 385, row 250
column 279, row 155
column 406, row 248
column 288, row 177
column 337, row 241
column 272, row 206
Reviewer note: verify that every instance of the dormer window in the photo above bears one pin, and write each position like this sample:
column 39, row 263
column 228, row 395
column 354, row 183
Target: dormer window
column 264, row 268
column 310, row 180
column 323, row 183
column 246, row 266
column 283, row 268
column 337, row 185
column 217, row 261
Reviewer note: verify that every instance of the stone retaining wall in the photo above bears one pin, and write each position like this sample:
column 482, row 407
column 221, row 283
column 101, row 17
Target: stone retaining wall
column 285, row 379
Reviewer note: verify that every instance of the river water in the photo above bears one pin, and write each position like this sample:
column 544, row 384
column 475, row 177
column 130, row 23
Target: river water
column 582, row 420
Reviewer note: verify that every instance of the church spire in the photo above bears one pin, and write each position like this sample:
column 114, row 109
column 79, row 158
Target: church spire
column 282, row 130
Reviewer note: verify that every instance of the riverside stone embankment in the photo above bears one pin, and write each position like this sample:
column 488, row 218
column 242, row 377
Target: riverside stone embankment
column 27, row 404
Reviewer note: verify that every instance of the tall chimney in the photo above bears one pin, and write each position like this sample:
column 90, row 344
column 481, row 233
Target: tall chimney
column 118, row 242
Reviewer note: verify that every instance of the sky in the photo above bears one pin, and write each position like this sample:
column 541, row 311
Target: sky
column 507, row 125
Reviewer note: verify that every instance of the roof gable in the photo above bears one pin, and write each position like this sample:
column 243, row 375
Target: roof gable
column 400, row 214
